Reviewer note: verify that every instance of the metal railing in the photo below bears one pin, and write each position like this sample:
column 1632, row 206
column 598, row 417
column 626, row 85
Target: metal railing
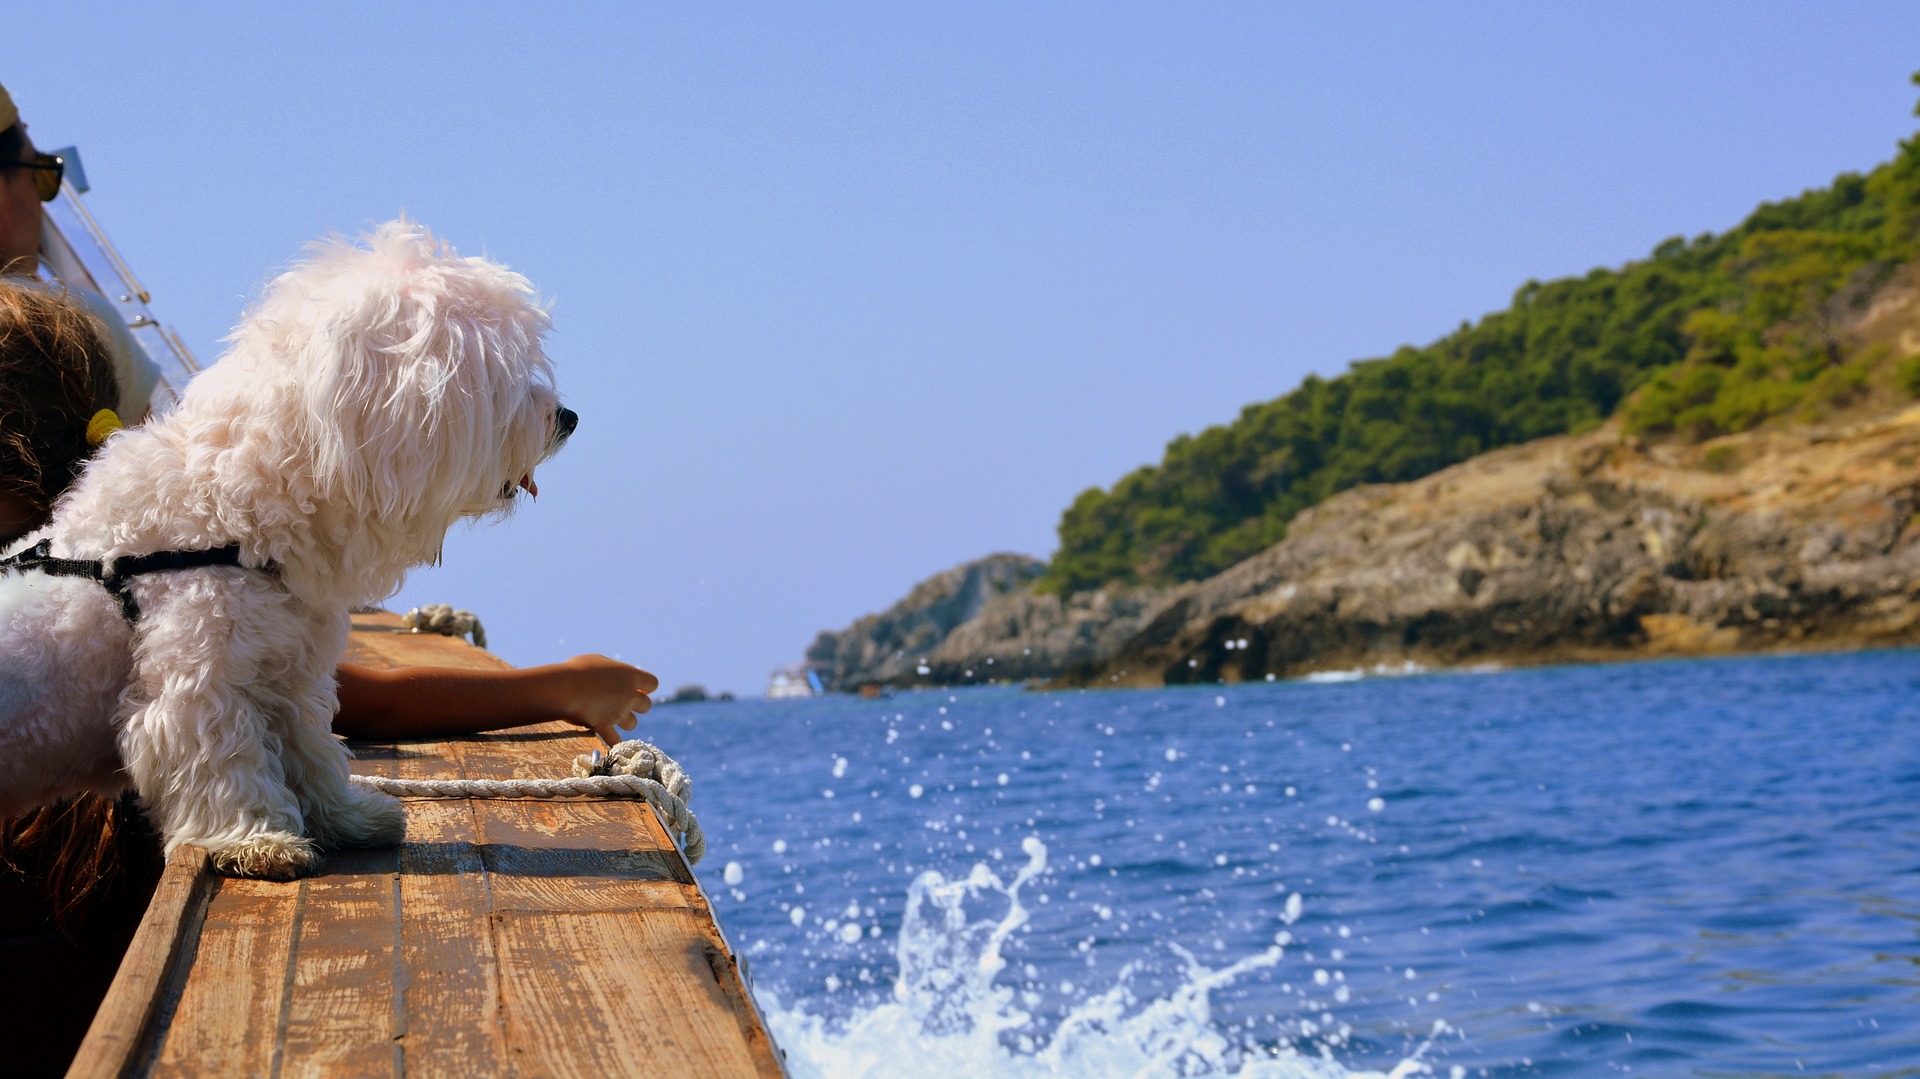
column 75, row 251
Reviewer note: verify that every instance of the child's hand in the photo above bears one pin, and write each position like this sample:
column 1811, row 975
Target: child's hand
column 603, row 695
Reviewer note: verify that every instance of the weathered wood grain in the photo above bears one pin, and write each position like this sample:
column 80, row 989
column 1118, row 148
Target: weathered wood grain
column 378, row 641
column 452, row 994
column 341, row 1009
column 229, row 1023
column 131, row 1017
column 657, row 972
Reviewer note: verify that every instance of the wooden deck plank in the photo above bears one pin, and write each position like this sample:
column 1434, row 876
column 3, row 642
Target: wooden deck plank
column 541, row 751
column 230, row 1024
column 124, row 1029
column 378, row 641
column 616, row 841
column 680, row 1020
column 502, row 938
column 452, row 991
column 341, row 1013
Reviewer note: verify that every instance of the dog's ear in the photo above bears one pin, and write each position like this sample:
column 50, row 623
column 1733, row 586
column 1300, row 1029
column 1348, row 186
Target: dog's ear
column 419, row 375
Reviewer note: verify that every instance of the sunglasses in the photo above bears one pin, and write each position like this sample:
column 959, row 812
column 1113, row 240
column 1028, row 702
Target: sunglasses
column 47, row 172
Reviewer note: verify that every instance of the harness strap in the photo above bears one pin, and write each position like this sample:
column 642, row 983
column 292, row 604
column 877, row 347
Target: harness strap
column 117, row 574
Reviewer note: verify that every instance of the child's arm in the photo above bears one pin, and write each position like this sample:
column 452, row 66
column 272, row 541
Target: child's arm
column 598, row 693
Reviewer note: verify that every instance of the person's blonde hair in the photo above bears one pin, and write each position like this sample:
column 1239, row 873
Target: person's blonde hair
column 55, row 375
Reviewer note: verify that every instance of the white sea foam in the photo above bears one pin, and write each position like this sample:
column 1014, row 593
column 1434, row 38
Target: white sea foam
column 1378, row 670
column 951, row 1013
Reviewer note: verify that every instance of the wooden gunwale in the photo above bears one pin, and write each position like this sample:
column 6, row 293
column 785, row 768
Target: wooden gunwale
column 173, row 915
column 564, row 938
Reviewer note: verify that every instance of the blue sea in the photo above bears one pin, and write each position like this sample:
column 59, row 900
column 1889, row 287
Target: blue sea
column 1665, row 868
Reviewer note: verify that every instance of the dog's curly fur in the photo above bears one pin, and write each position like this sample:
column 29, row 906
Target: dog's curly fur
column 377, row 393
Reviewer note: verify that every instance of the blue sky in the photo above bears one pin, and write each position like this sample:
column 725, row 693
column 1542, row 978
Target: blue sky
column 846, row 294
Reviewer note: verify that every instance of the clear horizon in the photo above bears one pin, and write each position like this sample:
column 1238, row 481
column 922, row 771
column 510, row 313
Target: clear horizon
column 847, row 296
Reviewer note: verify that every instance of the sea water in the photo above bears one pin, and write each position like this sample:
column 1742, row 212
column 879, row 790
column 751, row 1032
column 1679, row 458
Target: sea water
column 1664, row 868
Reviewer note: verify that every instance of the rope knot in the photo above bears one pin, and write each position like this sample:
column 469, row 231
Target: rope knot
column 632, row 769
column 442, row 618
column 634, row 757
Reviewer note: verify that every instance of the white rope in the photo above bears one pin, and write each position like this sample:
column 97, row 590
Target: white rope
column 442, row 618
column 632, row 769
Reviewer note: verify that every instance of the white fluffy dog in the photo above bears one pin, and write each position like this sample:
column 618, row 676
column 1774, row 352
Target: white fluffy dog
column 376, row 394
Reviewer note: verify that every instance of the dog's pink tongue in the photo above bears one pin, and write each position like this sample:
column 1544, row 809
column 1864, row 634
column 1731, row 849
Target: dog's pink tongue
column 527, row 485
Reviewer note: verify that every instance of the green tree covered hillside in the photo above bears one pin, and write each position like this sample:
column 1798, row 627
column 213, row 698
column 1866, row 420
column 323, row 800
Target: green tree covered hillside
column 1703, row 337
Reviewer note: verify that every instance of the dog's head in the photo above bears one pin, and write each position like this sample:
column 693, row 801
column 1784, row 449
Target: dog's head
column 411, row 382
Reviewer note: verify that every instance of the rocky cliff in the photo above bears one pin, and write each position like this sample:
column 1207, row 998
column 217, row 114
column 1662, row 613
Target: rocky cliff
column 1588, row 547
column 1023, row 635
column 1580, row 548
column 888, row 647
column 1570, row 549
column 982, row 622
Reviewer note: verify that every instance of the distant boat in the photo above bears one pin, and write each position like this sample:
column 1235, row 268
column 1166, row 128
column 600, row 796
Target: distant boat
column 794, row 682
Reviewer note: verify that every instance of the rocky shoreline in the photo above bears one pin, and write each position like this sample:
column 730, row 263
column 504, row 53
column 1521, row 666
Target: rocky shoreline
column 1578, row 548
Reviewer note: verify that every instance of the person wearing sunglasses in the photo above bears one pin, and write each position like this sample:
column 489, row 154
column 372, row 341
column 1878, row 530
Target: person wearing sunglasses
column 29, row 178
column 46, row 169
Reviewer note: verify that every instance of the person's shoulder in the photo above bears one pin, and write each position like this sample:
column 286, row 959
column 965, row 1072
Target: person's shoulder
column 97, row 305
column 133, row 371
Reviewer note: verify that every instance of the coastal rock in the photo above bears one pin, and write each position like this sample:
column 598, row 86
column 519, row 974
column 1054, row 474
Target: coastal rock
column 1569, row 549
column 888, row 647
column 1023, row 635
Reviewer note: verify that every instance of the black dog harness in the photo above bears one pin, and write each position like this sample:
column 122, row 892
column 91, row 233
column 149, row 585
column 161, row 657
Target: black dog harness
column 117, row 574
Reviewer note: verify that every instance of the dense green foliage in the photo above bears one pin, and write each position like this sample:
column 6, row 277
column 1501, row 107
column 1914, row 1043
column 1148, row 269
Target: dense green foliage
column 1716, row 334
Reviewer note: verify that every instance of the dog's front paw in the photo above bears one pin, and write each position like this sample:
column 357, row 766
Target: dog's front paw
column 267, row 855
column 363, row 818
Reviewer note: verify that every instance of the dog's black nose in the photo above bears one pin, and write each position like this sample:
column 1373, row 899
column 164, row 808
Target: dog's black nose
column 564, row 421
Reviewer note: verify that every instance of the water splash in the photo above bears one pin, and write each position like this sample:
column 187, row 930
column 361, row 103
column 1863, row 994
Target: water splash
column 951, row 1014
column 1378, row 670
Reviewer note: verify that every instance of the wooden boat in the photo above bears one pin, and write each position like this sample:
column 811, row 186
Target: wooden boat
column 563, row 938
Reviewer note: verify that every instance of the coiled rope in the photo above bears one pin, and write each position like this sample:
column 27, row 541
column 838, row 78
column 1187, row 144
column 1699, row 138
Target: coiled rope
column 632, row 769
column 442, row 618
